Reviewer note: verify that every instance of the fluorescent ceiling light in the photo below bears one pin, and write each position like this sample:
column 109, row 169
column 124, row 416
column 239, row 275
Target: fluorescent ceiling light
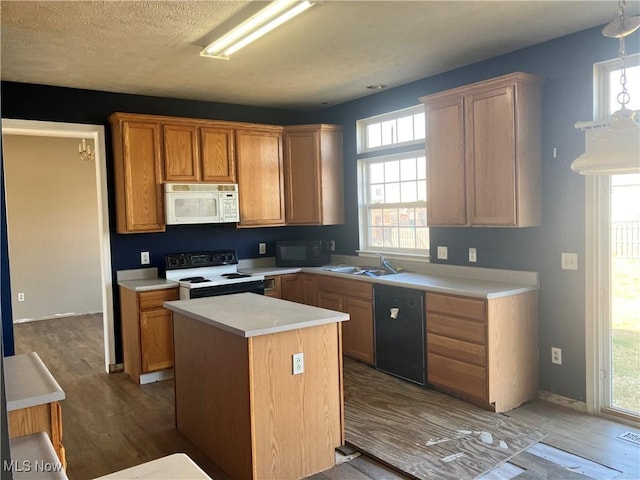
column 255, row 27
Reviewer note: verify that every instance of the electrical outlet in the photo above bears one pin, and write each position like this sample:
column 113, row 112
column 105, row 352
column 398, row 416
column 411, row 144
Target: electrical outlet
column 298, row 363
column 472, row 255
column 332, row 245
column 556, row 355
column 144, row 258
column 262, row 248
column 443, row 253
column 21, row 297
column 569, row 261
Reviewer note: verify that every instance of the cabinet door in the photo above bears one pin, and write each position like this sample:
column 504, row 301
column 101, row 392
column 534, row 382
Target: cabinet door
column 217, row 154
column 446, row 197
column 491, row 162
column 309, row 289
column 138, row 178
column 260, row 178
column 290, row 288
column 331, row 301
column 156, row 340
column 181, row 157
column 302, row 167
column 358, row 330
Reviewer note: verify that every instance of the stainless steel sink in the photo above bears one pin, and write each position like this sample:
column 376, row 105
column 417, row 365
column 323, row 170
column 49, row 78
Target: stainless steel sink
column 366, row 271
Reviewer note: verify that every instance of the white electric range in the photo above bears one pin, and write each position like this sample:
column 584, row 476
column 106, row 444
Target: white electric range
column 210, row 273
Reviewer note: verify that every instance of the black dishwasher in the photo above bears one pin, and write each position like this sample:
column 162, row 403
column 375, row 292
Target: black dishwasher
column 399, row 332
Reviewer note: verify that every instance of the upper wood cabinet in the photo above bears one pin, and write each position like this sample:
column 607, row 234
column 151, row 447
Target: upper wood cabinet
column 260, row 176
column 198, row 152
column 138, row 174
column 483, row 153
column 314, row 186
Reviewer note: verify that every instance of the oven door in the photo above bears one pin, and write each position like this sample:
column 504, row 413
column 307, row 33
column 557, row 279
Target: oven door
column 256, row 286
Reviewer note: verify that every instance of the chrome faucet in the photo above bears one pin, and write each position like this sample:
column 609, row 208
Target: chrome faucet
column 384, row 263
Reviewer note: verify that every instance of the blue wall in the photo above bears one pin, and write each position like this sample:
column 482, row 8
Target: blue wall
column 566, row 64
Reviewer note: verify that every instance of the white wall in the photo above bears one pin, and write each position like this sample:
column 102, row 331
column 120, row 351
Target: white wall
column 52, row 216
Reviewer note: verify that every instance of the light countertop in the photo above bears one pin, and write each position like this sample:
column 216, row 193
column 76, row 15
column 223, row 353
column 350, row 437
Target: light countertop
column 249, row 314
column 35, row 458
column 267, row 271
column 143, row 279
column 172, row 467
column 28, row 382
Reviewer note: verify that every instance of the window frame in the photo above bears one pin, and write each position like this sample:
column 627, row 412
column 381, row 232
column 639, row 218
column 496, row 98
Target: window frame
column 397, row 151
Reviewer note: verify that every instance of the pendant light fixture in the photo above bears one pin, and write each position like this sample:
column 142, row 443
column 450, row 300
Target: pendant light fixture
column 613, row 146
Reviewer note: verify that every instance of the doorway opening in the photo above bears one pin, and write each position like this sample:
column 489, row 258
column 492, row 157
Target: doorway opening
column 95, row 135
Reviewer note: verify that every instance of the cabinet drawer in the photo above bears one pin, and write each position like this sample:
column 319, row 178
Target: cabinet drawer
column 459, row 376
column 457, row 350
column 458, row 328
column 155, row 298
column 353, row 288
column 457, row 306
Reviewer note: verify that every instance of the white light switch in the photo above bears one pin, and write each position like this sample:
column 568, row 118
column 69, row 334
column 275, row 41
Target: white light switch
column 569, row 261
column 262, row 248
column 144, row 258
column 473, row 255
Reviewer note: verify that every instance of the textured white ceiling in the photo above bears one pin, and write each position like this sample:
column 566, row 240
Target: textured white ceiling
column 327, row 54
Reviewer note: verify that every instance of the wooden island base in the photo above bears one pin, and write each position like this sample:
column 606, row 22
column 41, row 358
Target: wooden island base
column 238, row 400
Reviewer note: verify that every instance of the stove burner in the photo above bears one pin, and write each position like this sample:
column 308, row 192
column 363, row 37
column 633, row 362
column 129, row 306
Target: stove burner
column 194, row 279
column 236, row 275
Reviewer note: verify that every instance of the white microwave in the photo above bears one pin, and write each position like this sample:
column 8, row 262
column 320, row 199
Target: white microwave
column 201, row 203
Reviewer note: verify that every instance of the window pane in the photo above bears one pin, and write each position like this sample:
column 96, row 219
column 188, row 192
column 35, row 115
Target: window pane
column 418, row 125
column 376, row 193
column 392, row 171
column 422, row 238
column 376, row 172
column 421, row 167
column 392, row 193
column 375, row 217
column 633, row 80
column 408, row 192
column 405, row 129
column 387, row 132
column 408, row 169
column 390, row 216
column 406, row 238
column 422, row 191
column 376, row 237
column 406, row 216
column 391, row 237
column 421, row 216
column 374, row 138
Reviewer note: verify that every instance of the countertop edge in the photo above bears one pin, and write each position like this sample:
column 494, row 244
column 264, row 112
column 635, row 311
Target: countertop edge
column 142, row 285
column 56, row 393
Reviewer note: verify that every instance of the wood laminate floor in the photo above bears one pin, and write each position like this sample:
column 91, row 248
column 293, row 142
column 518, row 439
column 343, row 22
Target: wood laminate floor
column 110, row 423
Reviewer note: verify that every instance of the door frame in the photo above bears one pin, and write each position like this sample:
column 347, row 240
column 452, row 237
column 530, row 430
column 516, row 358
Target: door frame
column 96, row 133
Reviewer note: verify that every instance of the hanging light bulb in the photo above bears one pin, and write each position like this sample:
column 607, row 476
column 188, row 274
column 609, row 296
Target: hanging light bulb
column 85, row 151
column 613, row 146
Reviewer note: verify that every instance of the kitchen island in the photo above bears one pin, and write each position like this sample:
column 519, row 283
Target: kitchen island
column 237, row 397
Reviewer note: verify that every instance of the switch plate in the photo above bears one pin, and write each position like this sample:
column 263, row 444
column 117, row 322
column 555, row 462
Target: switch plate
column 298, row 363
column 443, row 253
column 569, row 261
column 144, row 258
column 473, row 255
column 556, row 355
column 332, row 245
column 262, row 248
column 21, row 297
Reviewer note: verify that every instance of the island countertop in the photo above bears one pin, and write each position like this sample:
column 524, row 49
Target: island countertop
column 28, row 382
column 249, row 315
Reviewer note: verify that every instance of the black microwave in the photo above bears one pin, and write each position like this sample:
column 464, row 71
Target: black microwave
column 301, row 253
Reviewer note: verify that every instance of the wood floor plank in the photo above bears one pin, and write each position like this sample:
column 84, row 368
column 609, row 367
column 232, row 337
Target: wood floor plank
column 425, row 433
column 546, row 469
column 110, row 423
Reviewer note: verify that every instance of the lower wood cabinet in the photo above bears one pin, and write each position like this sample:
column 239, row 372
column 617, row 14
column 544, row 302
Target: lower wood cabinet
column 355, row 298
column 484, row 351
column 147, row 333
column 273, row 286
column 46, row 417
column 300, row 288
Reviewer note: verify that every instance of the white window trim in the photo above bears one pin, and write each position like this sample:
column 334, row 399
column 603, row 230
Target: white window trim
column 597, row 260
column 361, row 129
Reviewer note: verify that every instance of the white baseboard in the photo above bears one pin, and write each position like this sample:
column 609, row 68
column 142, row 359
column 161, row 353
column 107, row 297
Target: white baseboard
column 563, row 401
column 156, row 376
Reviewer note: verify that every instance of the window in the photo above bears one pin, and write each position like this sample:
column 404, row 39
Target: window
column 393, row 181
